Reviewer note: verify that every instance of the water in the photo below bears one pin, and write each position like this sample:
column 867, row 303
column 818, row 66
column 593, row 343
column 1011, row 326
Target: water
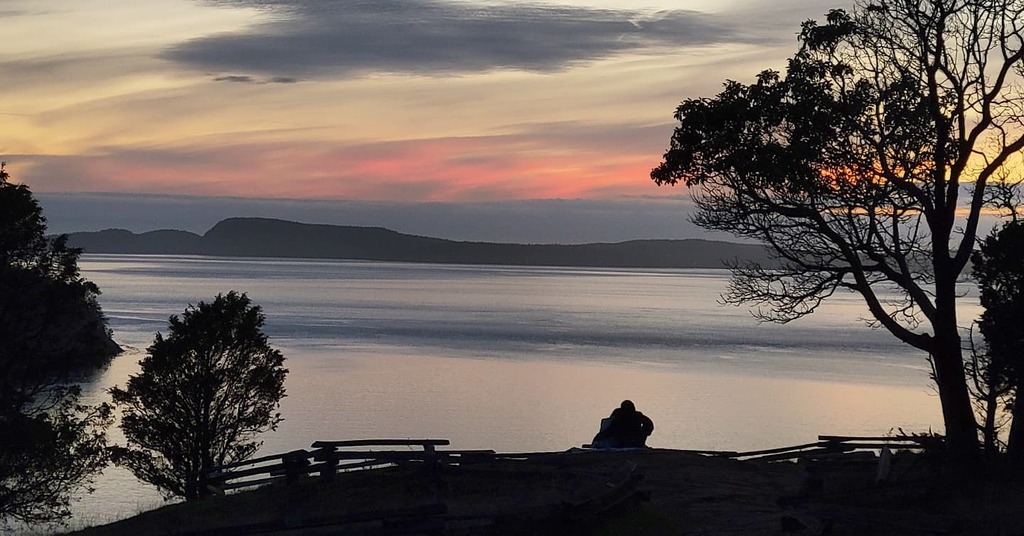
column 521, row 358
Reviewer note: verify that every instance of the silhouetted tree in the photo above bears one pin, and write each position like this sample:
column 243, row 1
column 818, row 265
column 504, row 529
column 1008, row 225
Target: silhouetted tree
column 203, row 393
column 865, row 168
column 52, row 334
column 999, row 269
column 990, row 388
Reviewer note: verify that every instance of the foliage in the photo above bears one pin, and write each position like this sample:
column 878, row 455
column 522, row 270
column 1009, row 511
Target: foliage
column 50, row 455
column 866, row 168
column 999, row 269
column 202, row 395
column 990, row 390
column 52, row 333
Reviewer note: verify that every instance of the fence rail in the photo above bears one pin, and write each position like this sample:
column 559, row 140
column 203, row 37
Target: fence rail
column 831, row 446
column 326, row 458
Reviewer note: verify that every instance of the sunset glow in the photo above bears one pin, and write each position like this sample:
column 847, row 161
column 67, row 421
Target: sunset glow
column 414, row 101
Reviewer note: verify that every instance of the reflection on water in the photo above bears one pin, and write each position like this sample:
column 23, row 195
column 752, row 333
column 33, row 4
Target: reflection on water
column 523, row 359
column 541, row 405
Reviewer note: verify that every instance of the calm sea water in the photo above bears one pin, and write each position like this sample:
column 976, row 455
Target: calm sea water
column 521, row 358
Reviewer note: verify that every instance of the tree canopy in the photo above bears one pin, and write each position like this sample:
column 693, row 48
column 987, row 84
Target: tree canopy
column 52, row 333
column 866, row 167
column 203, row 394
column 999, row 269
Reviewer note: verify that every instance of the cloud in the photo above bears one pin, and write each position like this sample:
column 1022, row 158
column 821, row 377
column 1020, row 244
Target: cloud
column 531, row 161
column 245, row 79
column 317, row 39
column 236, row 78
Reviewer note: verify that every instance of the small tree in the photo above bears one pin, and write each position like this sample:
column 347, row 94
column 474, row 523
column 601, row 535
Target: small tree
column 52, row 334
column 203, row 393
column 867, row 168
column 999, row 270
column 49, row 455
column 990, row 388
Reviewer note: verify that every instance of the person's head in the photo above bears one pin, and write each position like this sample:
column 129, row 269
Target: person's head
column 627, row 405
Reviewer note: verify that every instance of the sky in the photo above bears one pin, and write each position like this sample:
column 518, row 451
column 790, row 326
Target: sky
column 522, row 121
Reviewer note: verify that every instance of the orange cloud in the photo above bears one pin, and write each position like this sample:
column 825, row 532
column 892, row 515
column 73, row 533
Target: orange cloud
column 525, row 166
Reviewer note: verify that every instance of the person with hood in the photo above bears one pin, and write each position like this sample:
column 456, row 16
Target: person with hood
column 625, row 428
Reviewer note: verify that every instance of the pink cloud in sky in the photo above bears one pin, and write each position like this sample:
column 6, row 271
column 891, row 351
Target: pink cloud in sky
column 446, row 169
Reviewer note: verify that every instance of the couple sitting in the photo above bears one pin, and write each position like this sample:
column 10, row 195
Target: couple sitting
column 625, row 428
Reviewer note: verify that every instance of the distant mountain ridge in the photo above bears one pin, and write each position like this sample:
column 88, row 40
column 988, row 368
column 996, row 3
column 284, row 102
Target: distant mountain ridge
column 262, row 237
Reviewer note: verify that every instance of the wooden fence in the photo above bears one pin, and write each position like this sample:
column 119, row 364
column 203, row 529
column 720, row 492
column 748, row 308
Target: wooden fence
column 834, row 446
column 327, row 458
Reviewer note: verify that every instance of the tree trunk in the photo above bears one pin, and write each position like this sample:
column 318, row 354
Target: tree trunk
column 989, row 430
column 1015, row 440
column 191, row 490
column 948, row 360
column 957, row 412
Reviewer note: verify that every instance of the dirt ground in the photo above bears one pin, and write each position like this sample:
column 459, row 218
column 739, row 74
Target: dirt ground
column 692, row 494
column 698, row 495
column 678, row 493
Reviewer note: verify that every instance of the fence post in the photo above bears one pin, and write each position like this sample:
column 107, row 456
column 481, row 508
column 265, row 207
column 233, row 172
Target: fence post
column 329, row 465
column 295, row 463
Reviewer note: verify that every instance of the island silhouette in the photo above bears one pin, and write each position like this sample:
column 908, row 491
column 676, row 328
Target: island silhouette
column 264, row 237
